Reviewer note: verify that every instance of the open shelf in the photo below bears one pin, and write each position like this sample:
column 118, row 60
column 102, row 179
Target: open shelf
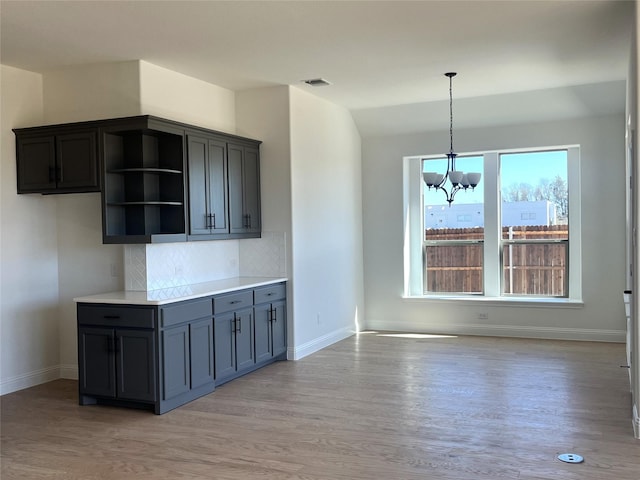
column 146, row 170
column 124, row 204
column 144, row 192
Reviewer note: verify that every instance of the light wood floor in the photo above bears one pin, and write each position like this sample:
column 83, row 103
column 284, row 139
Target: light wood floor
column 369, row 407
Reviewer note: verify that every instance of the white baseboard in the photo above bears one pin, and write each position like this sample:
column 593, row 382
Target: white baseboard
column 69, row 371
column 549, row 333
column 31, row 379
column 298, row 352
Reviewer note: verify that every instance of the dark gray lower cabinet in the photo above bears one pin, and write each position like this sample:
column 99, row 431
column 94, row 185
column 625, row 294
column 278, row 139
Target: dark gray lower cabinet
column 118, row 364
column 270, row 323
column 176, row 363
column 271, row 340
column 186, row 335
column 187, row 362
column 234, row 353
column 161, row 357
column 201, row 352
column 233, row 334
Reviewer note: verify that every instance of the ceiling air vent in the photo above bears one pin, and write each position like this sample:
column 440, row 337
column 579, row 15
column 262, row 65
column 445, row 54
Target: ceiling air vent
column 317, row 82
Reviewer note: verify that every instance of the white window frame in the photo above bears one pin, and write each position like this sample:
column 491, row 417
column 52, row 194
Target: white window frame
column 413, row 218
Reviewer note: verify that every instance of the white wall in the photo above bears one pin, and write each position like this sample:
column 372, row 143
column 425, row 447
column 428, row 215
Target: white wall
column 28, row 250
column 603, row 223
column 92, row 92
column 326, row 218
column 168, row 94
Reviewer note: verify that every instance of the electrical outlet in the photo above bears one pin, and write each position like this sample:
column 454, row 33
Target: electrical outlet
column 318, row 318
column 114, row 270
column 483, row 316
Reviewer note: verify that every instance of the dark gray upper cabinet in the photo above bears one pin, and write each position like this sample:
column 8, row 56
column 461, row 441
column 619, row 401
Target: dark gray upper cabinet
column 244, row 190
column 161, row 181
column 57, row 159
column 224, row 187
column 207, row 166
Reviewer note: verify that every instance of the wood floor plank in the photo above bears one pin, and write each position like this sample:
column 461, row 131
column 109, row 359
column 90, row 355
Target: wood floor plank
column 369, row 407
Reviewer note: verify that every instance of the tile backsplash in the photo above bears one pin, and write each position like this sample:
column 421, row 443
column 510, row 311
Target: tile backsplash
column 156, row 266
column 135, row 267
column 264, row 257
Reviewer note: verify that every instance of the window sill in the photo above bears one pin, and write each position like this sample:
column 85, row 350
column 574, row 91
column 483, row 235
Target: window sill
column 498, row 301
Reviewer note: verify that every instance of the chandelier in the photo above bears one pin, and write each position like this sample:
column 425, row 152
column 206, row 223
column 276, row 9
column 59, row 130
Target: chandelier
column 458, row 180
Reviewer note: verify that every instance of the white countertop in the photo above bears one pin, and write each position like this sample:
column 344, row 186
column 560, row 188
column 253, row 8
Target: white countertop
column 178, row 294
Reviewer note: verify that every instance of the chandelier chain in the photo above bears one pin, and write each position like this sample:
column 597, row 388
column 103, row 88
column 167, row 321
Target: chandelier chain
column 451, row 112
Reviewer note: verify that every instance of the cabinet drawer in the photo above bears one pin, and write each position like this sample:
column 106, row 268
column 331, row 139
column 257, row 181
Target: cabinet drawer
column 232, row 301
column 116, row 316
column 270, row 293
column 185, row 312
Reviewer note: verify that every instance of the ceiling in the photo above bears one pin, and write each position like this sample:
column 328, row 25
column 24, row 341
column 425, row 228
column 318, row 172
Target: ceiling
column 516, row 59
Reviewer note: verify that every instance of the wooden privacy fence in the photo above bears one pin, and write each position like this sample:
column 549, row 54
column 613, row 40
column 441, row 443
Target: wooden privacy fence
column 535, row 268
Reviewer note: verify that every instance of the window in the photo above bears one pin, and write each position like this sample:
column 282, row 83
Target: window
column 507, row 239
column 453, row 251
column 535, row 249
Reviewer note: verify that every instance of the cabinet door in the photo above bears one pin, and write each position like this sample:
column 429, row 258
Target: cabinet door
column 77, row 161
column 207, row 160
column 279, row 328
column 224, row 345
column 217, row 187
column 251, row 187
column 237, row 218
column 96, row 361
column 244, row 189
column 175, row 361
column 263, row 339
column 136, row 365
column 201, row 342
column 198, row 200
column 245, row 357
column 36, row 163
